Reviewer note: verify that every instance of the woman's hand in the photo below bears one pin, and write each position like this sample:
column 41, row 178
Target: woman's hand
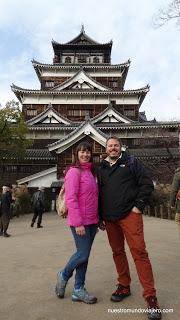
column 80, row 230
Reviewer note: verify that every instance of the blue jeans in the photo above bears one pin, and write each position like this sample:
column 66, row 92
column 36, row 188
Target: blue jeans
column 79, row 260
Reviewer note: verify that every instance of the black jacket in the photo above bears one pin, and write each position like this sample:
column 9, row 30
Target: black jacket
column 121, row 187
column 38, row 200
column 6, row 200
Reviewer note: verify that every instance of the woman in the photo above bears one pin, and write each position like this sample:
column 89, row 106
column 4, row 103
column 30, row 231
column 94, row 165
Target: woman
column 81, row 197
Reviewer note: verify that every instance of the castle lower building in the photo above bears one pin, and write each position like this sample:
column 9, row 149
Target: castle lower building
column 82, row 96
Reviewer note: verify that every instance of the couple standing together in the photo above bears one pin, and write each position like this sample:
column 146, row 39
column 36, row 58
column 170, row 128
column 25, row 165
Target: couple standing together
column 114, row 205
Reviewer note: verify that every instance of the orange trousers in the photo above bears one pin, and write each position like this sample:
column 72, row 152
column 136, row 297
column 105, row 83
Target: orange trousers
column 131, row 229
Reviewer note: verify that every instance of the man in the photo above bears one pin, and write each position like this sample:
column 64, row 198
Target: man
column 5, row 211
column 124, row 189
column 38, row 203
column 175, row 195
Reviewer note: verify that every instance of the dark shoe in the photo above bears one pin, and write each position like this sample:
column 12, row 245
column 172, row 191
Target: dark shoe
column 39, row 226
column 1, row 233
column 154, row 312
column 60, row 286
column 32, row 224
column 83, row 295
column 6, row 235
column 121, row 293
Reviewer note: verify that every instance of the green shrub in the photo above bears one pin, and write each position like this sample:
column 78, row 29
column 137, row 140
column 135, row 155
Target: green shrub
column 22, row 204
column 160, row 195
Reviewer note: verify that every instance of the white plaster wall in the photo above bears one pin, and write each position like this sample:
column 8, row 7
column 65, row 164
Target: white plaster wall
column 46, row 135
column 43, row 181
column 71, row 73
column 80, row 99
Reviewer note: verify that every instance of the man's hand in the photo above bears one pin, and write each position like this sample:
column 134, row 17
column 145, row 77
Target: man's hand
column 101, row 225
column 80, row 230
column 135, row 209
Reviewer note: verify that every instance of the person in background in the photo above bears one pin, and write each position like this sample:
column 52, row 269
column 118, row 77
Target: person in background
column 175, row 195
column 5, row 210
column 81, row 197
column 38, row 204
column 124, row 188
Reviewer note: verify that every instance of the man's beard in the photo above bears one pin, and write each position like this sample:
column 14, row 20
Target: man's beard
column 114, row 157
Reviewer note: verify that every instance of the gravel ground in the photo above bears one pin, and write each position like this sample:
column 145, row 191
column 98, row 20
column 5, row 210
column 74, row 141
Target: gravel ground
column 31, row 257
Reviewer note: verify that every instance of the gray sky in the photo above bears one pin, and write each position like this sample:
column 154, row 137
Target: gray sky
column 28, row 26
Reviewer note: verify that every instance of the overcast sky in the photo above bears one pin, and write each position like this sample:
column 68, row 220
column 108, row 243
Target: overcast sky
column 28, row 26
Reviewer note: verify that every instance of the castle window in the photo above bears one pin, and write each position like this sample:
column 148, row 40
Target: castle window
column 172, row 129
column 11, row 168
column 68, row 60
column 137, row 142
column 129, row 112
column 82, row 59
column 75, row 113
column 79, row 113
column 32, row 112
column 95, row 60
column 49, row 84
column 114, row 84
column 26, row 169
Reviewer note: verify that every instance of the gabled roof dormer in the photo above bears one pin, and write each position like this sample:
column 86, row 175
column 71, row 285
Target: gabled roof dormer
column 110, row 115
column 49, row 116
column 81, row 81
column 87, row 128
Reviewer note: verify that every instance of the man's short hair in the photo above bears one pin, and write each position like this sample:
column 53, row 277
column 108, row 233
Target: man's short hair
column 8, row 185
column 5, row 189
column 115, row 138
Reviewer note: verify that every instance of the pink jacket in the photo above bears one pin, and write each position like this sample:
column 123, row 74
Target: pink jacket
column 81, row 196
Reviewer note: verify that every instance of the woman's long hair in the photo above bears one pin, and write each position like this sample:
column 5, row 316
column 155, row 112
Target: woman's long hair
column 82, row 146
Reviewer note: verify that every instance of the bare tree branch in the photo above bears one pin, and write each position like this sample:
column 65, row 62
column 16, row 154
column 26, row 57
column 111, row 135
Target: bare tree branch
column 166, row 14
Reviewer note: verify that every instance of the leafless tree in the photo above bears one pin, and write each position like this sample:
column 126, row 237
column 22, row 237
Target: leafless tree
column 168, row 13
column 162, row 167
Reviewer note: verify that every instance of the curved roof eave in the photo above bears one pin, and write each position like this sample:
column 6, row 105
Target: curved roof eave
column 142, row 90
column 73, row 42
column 37, row 64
